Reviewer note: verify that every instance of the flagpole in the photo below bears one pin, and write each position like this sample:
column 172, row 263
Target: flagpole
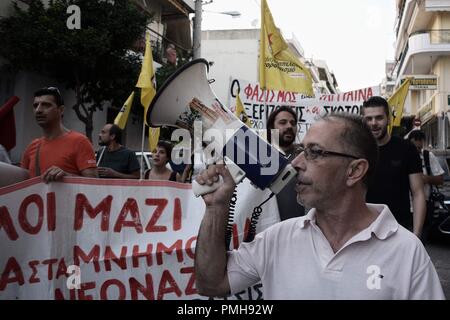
column 142, row 149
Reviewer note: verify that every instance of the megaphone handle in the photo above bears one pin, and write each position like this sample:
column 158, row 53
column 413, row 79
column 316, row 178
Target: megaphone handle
column 200, row 190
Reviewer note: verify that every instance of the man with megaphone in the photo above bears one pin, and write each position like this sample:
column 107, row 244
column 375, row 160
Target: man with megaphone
column 343, row 248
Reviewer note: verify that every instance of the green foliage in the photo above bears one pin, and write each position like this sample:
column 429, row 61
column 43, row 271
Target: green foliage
column 93, row 61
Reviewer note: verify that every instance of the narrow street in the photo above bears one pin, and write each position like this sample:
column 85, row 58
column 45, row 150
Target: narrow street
column 439, row 250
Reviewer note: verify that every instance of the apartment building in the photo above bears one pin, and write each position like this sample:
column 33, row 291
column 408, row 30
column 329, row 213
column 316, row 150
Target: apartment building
column 423, row 53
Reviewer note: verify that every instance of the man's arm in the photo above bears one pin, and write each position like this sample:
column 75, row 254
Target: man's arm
column 210, row 253
column 418, row 201
column 434, row 180
column 89, row 173
column 55, row 173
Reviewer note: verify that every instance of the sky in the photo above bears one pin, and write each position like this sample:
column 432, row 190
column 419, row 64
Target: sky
column 354, row 37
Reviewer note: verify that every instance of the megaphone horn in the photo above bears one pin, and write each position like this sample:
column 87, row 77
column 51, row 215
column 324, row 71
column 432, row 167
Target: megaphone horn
column 187, row 97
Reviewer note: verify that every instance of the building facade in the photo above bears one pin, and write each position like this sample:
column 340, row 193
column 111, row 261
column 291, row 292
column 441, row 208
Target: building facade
column 170, row 24
column 423, row 54
column 234, row 54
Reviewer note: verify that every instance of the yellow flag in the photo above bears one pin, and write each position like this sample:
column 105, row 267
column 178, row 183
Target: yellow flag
column 145, row 81
column 153, row 138
column 397, row 102
column 240, row 112
column 279, row 68
column 122, row 116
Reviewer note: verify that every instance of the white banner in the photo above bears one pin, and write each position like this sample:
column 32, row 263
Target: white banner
column 258, row 104
column 109, row 239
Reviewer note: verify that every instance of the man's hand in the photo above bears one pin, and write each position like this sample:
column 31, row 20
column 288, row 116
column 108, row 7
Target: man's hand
column 53, row 173
column 107, row 172
column 222, row 195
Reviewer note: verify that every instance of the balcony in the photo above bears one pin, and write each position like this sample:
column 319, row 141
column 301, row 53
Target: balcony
column 422, row 50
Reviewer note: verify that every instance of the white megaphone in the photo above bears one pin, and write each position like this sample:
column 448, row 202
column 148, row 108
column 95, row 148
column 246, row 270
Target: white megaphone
column 186, row 97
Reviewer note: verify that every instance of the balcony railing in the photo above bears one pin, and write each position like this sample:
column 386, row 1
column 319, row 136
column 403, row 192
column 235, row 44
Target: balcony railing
column 425, row 41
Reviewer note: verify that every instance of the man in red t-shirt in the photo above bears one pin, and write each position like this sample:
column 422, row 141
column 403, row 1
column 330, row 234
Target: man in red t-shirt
column 60, row 152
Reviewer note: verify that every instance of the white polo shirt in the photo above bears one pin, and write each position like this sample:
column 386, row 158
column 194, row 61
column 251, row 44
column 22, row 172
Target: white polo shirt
column 294, row 260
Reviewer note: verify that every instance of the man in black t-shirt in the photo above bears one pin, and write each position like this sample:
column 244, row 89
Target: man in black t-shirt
column 114, row 160
column 399, row 170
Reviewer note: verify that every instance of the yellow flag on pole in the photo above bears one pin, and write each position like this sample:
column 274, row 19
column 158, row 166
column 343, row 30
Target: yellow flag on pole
column 397, row 102
column 145, row 81
column 122, row 116
column 240, row 111
column 279, row 68
column 153, row 138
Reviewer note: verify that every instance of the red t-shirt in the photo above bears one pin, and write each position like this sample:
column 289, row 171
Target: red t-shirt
column 72, row 152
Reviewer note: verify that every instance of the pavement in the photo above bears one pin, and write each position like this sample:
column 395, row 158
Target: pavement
column 438, row 247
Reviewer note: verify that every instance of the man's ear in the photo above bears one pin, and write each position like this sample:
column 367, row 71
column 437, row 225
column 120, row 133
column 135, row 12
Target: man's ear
column 356, row 171
column 61, row 110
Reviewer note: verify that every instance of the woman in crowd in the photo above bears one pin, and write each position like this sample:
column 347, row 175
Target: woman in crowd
column 159, row 170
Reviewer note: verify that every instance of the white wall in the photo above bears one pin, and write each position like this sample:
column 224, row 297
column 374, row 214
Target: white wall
column 234, row 53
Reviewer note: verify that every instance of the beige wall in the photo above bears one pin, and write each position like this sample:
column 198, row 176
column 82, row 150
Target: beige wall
column 442, row 70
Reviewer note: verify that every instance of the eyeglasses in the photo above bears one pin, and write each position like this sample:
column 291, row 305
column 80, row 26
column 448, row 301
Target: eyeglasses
column 313, row 152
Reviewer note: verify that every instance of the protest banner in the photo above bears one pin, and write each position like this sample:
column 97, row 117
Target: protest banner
column 258, row 103
column 109, row 239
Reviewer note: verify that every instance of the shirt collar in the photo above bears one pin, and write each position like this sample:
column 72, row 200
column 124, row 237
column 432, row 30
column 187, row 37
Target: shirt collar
column 383, row 227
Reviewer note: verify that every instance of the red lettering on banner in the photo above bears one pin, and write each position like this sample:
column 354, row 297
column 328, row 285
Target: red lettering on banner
column 272, row 95
column 160, row 206
column 147, row 254
column 93, row 255
column 109, row 255
column 281, row 96
column 147, row 291
column 255, row 93
column 82, row 204
column 62, row 269
column 33, row 278
column 288, row 96
column 7, row 224
column 248, row 91
column 82, row 291
column 107, row 284
column 369, row 93
column 161, row 248
column 261, row 96
column 12, row 266
column 60, row 296
column 348, row 96
column 177, row 216
column 51, row 211
column 188, row 247
column 190, row 289
column 23, row 219
column 167, row 284
column 131, row 207
column 173, row 287
column 235, row 236
column 50, row 262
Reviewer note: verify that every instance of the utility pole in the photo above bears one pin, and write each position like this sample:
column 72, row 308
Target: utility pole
column 197, row 29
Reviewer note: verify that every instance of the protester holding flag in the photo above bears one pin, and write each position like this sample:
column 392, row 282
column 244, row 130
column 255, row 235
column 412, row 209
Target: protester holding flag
column 114, row 160
column 399, row 169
